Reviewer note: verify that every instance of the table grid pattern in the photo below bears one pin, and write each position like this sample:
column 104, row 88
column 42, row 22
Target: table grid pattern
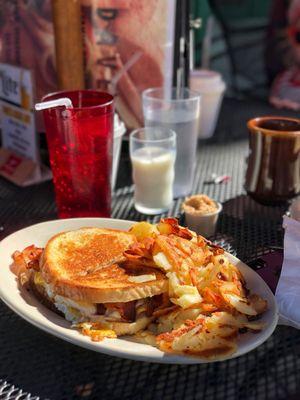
column 49, row 368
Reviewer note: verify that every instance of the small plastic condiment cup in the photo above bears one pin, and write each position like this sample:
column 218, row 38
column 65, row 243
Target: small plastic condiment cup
column 202, row 223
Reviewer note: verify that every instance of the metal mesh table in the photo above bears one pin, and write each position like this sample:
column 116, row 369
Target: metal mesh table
column 46, row 367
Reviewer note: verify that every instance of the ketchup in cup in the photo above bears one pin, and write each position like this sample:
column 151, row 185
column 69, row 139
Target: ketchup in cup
column 80, row 147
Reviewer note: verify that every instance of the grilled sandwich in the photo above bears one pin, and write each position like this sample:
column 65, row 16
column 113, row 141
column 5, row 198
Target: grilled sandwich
column 84, row 275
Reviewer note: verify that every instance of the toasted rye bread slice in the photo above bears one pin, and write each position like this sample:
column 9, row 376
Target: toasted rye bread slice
column 83, row 265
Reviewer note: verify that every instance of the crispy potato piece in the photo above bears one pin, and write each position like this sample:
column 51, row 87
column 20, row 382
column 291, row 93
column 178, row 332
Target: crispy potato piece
column 241, row 304
column 259, row 304
column 176, row 318
column 143, row 230
column 207, row 337
column 195, row 338
column 181, row 254
column 169, row 226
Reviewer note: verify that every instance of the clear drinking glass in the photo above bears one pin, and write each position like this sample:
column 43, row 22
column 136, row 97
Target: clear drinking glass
column 80, row 143
column 182, row 115
column 152, row 154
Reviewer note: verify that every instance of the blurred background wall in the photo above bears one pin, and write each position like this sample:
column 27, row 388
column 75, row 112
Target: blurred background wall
column 233, row 39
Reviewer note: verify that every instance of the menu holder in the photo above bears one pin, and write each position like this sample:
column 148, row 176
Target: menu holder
column 19, row 156
column 22, row 171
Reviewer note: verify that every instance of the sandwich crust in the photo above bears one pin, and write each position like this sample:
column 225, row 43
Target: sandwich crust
column 84, row 265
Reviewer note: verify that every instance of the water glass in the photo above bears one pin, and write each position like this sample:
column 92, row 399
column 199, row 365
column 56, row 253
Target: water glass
column 180, row 113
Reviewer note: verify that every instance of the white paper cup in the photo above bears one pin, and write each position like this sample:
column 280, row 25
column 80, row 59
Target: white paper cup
column 119, row 131
column 203, row 224
column 211, row 88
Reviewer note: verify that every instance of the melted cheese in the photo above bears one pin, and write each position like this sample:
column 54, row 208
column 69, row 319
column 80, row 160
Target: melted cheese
column 82, row 309
column 74, row 311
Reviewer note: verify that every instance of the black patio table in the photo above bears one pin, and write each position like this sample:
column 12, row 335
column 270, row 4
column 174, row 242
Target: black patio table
column 36, row 365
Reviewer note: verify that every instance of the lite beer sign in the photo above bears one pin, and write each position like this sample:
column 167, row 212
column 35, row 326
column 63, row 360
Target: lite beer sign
column 16, row 86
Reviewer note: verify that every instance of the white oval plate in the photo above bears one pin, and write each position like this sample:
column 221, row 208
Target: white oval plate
column 28, row 307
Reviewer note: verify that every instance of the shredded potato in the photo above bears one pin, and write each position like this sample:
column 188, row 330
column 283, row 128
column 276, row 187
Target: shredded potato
column 143, row 230
column 213, row 303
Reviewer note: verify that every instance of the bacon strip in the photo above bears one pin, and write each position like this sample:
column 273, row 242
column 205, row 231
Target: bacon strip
column 141, row 252
column 28, row 258
column 177, row 229
column 156, row 303
column 126, row 310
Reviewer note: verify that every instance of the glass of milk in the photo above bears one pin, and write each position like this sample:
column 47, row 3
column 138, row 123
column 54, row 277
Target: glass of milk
column 181, row 113
column 152, row 154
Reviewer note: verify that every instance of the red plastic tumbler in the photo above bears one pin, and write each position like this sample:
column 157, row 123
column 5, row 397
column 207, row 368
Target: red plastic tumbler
column 80, row 147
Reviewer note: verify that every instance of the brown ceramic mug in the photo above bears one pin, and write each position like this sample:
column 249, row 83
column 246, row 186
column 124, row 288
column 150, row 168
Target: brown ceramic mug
column 273, row 170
